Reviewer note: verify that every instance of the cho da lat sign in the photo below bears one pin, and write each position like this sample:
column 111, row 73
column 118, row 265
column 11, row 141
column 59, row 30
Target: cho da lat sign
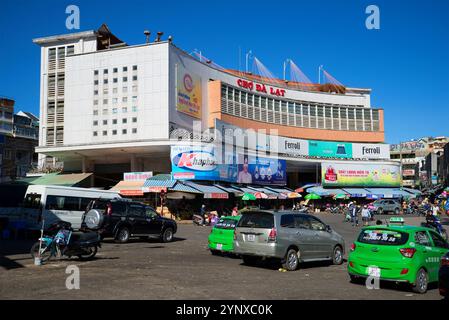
column 260, row 87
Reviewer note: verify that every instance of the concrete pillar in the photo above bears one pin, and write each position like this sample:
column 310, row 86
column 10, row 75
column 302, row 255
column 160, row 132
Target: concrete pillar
column 134, row 163
column 84, row 164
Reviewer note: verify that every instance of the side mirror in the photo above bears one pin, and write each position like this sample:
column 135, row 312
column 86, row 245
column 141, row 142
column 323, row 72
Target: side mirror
column 328, row 228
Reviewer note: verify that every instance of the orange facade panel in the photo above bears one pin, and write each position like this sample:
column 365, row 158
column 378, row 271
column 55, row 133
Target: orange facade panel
column 214, row 100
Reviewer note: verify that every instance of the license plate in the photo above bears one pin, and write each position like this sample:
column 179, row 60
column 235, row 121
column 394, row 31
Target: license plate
column 219, row 246
column 251, row 237
column 373, row 271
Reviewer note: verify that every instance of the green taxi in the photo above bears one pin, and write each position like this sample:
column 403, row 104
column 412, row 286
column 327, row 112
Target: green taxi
column 397, row 252
column 221, row 237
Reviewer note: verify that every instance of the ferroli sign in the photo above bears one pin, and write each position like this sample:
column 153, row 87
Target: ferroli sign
column 370, row 151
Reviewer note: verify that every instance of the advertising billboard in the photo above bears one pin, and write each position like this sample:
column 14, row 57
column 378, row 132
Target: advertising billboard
column 200, row 163
column 329, row 149
column 188, row 93
column 360, row 175
column 371, row 151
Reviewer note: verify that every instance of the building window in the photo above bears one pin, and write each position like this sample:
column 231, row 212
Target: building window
column 115, row 70
column 105, row 133
column 125, row 99
column 95, row 92
column 134, row 78
column 124, row 120
column 114, row 121
column 95, row 72
column 105, row 101
column 114, row 110
column 95, row 102
column 125, row 69
column 134, row 88
column 125, row 79
column 105, row 71
column 105, row 91
column 125, row 89
column 134, row 119
column 124, row 131
column 95, row 122
column 95, row 112
column 105, row 81
column 114, row 132
column 134, row 68
column 95, row 133
column 134, row 108
column 70, row 50
column 124, row 109
column 134, row 130
column 114, row 100
column 134, row 99
column 96, row 82
column 105, row 122
column 105, row 111
column 115, row 80
column 114, row 90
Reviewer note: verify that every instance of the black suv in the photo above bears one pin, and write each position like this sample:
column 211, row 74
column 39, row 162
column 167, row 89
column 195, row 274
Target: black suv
column 123, row 219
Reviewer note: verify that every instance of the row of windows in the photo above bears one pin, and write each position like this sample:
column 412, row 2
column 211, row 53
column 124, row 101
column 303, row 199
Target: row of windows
column 300, row 114
column 115, row 100
column 114, row 111
column 115, row 90
column 115, row 70
column 114, row 132
column 114, row 121
column 115, row 80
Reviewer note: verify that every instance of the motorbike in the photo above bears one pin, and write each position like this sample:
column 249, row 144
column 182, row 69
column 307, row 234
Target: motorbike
column 60, row 240
column 435, row 224
column 197, row 220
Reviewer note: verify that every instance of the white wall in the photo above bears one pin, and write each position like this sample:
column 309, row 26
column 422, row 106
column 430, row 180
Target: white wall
column 152, row 114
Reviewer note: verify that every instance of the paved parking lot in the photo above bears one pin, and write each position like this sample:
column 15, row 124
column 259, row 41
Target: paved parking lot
column 183, row 269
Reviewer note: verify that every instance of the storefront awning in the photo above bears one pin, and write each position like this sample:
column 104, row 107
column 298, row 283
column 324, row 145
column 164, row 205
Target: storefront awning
column 356, row 192
column 209, row 191
column 129, row 188
column 57, row 179
column 154, row 185
column 236, row 192
column 181, row 187
column 270, row 193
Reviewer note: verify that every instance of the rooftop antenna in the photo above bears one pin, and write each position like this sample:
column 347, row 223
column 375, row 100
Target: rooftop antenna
column 159, row 35
column 147, row 35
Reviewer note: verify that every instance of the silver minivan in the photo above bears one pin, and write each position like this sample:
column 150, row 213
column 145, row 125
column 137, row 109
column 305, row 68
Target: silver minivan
column 286, row 235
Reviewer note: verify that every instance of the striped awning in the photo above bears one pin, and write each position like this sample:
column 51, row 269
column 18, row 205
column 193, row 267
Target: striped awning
column 129, row 188
column 181, row 187
column 270, row 193
column 209, row 191
column 153, row 185
column 236, row 192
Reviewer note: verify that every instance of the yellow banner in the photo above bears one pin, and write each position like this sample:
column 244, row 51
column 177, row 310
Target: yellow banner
column 188, row 93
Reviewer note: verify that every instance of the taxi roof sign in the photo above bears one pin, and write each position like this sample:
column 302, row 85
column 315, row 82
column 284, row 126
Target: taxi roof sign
column 397, row 220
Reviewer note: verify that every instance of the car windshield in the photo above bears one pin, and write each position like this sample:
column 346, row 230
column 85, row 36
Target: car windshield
column 257, row 220
column 226, row 224
column 383, row 237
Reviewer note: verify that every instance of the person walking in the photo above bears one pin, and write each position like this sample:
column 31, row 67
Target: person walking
column 203, row 214
column 235, row 212
column 354, row 215
column 366, row 215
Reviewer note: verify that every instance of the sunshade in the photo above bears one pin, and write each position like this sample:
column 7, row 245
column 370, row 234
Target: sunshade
column 249, row 196
column 260, row 195
column 341, row 196
column 129, row 188
column 312, row 196
column 293, row 195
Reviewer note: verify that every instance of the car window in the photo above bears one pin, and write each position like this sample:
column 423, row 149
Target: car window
column 422, row 238
column 257, row 220
column 136, row 210
column 438, row 241
column 302, row 222
column 224, row 223
column 287, row 221
column 119, row 208
column 149, row 212
column 383, row 237
column 316, row 224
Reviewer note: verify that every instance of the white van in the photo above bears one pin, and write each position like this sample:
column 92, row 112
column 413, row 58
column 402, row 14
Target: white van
column 61, row 203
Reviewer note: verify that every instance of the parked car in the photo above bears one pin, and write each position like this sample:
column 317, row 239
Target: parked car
column 288, row 236
column 387, row 205
column 221, row 237
column 443, row 279
column 398, row 253
column 123, row 219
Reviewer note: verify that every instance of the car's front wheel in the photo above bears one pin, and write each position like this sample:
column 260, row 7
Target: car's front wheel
column 167, row 235
column 337, row 256
column 291, row 261
column 421, row 282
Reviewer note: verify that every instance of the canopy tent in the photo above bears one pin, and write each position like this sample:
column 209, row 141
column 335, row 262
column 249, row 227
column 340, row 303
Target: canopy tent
column 283, row 193
column 209, row 191
column 181, row 187
column 156, row 185
column 325, row 192
column 129, row 188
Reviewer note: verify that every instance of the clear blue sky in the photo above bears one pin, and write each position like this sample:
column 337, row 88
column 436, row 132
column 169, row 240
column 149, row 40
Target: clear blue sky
column 406, row 62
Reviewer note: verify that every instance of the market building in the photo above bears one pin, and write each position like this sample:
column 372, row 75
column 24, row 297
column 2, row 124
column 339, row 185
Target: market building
column 109, row 108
